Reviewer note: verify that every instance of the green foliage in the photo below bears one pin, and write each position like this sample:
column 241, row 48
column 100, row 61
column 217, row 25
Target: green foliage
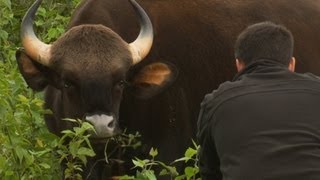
column 191, row 171
column 146, row 167
column 121, row 143
column 74, row 148
column 26, row 146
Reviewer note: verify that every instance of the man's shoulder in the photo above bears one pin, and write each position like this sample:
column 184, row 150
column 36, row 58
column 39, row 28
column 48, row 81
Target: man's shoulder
column 307, row 80
column 222, row 89
column 310, row 76
column 221, row 94
column 209, row 104
column 233, row 88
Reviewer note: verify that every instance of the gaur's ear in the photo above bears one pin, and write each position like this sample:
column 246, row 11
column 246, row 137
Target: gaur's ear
column 31, row 71
column 152, row 79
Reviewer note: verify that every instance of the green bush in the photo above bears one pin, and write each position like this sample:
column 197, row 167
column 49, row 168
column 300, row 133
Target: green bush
column 26, row 146
column 145, row 167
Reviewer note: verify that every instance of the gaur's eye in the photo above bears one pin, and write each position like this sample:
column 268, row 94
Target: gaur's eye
column 66, row 84
column 122, row 83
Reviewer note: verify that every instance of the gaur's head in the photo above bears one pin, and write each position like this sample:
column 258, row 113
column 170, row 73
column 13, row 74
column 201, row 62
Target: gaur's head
column 87, row 70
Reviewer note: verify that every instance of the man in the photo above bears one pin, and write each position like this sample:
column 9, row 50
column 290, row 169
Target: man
column 265, row 124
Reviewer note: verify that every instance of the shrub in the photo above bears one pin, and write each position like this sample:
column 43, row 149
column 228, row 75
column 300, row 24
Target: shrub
column 26, row 146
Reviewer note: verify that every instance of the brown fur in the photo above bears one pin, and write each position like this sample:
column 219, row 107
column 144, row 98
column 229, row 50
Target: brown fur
column 96, row 43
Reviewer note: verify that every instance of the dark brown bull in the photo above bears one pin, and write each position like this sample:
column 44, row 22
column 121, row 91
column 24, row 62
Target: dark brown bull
column 84, row 70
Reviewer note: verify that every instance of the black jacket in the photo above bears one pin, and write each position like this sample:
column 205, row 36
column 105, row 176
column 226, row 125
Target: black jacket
column 265, row 124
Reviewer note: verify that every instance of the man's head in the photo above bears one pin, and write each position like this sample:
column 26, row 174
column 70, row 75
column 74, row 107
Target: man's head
column 265, row 40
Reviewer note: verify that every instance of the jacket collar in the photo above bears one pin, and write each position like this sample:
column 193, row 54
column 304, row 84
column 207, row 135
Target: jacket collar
column 260, row 66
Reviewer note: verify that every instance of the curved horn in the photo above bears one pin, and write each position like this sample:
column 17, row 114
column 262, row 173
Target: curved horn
column 142, row 45
column 35, row 48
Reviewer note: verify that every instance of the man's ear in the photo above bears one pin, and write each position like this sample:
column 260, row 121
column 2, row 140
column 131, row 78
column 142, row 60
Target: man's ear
column 292, row 64
column 240, row 65
column 32, row 72
column 152, row 79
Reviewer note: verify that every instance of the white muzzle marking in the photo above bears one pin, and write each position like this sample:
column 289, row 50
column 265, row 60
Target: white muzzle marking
column 103, row 124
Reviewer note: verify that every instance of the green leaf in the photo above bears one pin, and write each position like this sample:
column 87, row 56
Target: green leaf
column 164, row 172
column 153, row 152
column 190, row 171
column 9, row 173
column 23, row 99
column 150, row 175
column 182, row 177
column 82, row 158
column 182, row 159
column 39, row 142
column 20, row 153
column 172, row 170
column 87, row 126
column 3, row 35
column 41, row 12
column 2, row 164
column 86, row 151
column 29, row 158
column 45, row 165
column 71, row 120
column 67, row 132
column 138, row 163
column 73, row 147
column 140, row 176
column 190, row 152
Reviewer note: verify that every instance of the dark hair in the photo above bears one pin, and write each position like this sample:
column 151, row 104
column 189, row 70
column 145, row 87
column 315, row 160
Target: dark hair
column 265, row 40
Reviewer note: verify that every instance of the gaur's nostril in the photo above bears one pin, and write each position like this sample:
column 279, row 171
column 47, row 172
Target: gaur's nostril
column 111, row 124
